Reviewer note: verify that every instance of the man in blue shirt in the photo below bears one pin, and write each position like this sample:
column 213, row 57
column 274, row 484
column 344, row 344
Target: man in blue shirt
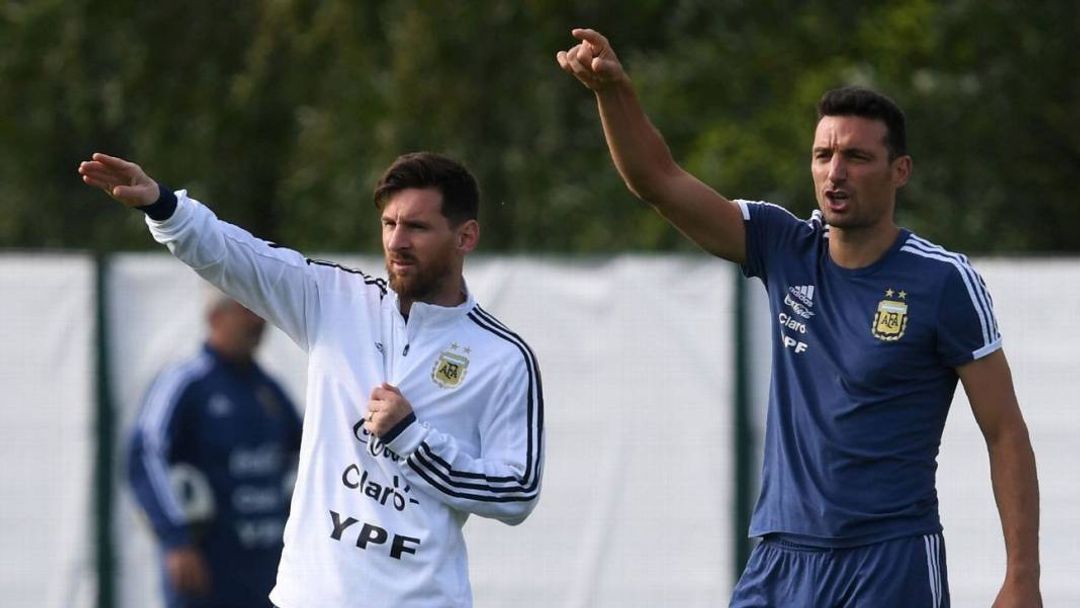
column 873, row 328
column 211, row 462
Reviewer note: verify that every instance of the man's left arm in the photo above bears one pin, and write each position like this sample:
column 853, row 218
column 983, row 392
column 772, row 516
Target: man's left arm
column 503, row 481
column 989, row 387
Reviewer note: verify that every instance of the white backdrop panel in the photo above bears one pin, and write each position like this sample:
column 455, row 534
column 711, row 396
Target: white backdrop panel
column 635, row 353
column 156, row 317
column 636, row 360
column 1036, row 302
column 636, row 357
column 46, row 430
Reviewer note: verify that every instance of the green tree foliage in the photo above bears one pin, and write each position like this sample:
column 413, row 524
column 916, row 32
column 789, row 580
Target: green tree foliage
column 282, row 113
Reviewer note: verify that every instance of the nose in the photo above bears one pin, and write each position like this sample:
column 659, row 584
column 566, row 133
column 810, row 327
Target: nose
column 396, row 238
column 837, row 169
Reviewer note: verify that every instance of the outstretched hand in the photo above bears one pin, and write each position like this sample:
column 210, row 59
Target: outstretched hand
column 592, row 61
column 124, row 181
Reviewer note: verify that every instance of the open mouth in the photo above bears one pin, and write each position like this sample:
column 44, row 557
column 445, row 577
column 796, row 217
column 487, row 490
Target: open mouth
column 838, row 199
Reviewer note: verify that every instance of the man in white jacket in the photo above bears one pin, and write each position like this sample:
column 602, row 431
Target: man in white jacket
column 422, row 408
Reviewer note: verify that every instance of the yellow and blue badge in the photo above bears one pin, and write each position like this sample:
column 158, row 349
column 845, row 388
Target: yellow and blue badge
column 892, row 316
column 450, row 368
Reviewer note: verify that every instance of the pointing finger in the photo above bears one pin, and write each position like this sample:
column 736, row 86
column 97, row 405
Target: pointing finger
column 573, row 59
column 560, row 57
column 591, row 37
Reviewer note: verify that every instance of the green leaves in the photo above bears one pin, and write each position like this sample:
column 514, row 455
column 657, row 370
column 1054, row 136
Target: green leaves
column 281, row 114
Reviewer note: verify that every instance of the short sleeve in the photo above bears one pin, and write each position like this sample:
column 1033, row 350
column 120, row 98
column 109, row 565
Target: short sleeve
column 967, row 327
column 769, row 228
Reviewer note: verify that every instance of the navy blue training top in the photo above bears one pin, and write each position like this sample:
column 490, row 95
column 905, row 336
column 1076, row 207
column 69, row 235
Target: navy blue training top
column 234, row 426
column 863, row 372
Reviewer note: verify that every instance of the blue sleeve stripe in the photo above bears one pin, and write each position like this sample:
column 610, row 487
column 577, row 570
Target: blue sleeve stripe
column 403, row 424
column 153, row 425
column 980, row 299
column 534, row 396
column 441, row 474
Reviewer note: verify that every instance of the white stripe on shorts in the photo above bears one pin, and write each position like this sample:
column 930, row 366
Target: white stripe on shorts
column 933, row 568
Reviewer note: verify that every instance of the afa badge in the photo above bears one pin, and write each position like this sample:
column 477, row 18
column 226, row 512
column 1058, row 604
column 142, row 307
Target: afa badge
column 892, row 316
column 450, row 368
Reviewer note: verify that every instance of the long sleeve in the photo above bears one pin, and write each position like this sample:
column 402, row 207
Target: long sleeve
column 504, row 481
column 148, row 454
column 274, row 282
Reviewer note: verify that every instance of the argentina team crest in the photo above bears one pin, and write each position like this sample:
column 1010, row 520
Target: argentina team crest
column 892, row 316
column 450, row 368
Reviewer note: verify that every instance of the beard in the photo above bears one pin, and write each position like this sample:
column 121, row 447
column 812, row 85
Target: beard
column 423, row 282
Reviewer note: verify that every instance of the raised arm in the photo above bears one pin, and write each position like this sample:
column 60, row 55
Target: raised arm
column 989, row 387
column 643, row 158
column 274, row 282
column 124, row 181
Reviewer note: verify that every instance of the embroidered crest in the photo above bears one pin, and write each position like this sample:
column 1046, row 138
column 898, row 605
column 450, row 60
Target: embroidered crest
column 449, row 370
column 891, row 318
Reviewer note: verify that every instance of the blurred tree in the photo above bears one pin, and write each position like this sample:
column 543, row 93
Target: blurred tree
column 282, row 113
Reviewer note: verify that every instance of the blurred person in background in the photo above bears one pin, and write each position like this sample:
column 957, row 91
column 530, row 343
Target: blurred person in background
column 874, row 328
column 211, row 462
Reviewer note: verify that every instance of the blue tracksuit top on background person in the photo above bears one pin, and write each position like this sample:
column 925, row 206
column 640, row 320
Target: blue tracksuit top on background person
column 234, row 425
column 862, row 378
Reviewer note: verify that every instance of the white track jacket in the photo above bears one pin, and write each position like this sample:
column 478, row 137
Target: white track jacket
column 377, row 524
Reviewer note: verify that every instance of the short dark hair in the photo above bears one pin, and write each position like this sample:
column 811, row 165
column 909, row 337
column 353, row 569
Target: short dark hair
column 867, row 103
column 460, row 194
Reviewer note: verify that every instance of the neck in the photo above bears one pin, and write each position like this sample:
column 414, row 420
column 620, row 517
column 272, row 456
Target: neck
column 860, row 247
column 238, row 356
column 450, row 295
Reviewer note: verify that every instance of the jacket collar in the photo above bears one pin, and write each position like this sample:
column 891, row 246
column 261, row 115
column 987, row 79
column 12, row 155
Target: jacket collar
column 432, row 315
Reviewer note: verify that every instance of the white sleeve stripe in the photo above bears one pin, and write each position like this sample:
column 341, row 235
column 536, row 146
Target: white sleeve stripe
column 933, row 570
column 976, row 279
column 745, row 206
column 159, row 480
column 986, row 350
column 816, row 218
column 980, row 285
column 745, row 210
column 976, row 290
column 989, row 302
column 153, row 422
column 967, row 283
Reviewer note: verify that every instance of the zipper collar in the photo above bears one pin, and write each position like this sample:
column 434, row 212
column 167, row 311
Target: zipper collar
column 431, row 315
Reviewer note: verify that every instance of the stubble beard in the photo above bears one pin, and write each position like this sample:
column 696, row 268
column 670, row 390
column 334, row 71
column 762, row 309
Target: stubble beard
column 423, row 284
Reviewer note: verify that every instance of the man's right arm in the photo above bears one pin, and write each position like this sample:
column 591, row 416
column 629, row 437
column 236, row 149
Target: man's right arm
column 274, row 282
column 148, row 475
column 643, row 158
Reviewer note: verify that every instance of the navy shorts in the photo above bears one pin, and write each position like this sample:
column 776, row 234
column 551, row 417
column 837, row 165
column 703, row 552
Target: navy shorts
column 905, row 572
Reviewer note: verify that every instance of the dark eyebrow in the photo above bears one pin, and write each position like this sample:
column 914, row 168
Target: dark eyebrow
column 857, row 151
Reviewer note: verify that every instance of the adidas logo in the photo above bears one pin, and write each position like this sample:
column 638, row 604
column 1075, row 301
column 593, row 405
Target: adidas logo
column 803, row 293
